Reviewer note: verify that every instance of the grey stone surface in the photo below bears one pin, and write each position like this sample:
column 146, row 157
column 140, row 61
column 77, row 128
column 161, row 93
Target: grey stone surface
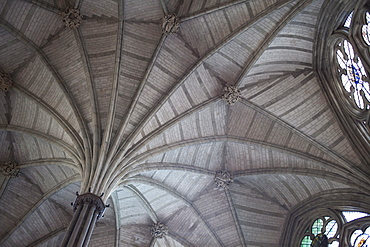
column 118, row 107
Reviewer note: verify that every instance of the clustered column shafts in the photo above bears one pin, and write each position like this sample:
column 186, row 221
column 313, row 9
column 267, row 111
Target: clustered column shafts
column 170, row 24
column 88, row 209
column 6, row 82
column 159, row 230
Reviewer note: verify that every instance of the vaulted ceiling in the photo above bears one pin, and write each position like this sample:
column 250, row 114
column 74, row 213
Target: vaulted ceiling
column 119, row 104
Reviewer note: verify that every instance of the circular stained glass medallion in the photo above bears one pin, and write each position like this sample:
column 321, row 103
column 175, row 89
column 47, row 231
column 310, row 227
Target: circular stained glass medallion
column 353, row 75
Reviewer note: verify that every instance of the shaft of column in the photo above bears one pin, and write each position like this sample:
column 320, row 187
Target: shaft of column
column 89, row 233
column 77, row 227
column 88, row 209
column 89, row 223
column 69, row 231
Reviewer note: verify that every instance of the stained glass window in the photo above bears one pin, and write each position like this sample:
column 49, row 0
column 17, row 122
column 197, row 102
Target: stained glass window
column 361, row 238
column 324, row 231
column 351, row 61
column 350, row 215
column 317, row 226
column 321, row 240
column 320, row 231
column 331, row 228
column 306, row 241
column 334, row 244
column 366, row 29
column 347, row 23
column 353, row 75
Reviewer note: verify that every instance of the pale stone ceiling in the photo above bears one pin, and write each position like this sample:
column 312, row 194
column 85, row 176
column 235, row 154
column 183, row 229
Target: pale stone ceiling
column 119, row 107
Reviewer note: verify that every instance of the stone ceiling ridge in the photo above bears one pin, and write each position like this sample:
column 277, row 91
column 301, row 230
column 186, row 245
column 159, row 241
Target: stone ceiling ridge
column 202, row 123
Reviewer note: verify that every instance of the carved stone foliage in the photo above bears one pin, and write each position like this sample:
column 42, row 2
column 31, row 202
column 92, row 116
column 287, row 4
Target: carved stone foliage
column 223, row 179
column 10, row 169
column 170, row 24
column 72, row 18
column 6, row 82
column 158, row 230
column 89, row 198
column 231, row 95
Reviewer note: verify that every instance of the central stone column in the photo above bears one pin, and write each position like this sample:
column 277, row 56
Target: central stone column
column 88, row 209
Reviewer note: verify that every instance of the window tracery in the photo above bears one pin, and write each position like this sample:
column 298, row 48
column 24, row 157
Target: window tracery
column 323, row 232
column 351, row 63
column 344, row 229
column 353, row 75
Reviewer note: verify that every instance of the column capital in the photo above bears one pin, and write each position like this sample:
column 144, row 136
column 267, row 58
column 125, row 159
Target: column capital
column 96, row 200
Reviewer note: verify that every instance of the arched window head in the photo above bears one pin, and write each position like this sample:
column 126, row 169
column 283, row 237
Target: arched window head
column 347, row 228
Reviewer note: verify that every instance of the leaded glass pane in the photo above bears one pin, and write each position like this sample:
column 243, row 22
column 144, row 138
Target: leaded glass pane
column 347, row 23
column 350, row 215
column 317, row 226
column 331, row 228
column 334, row 244
column 320, row 240
column 349, row 50
column 353, row 75
column 306, row 242
column 366, row 29
column 354, row 236
column 362, row 240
